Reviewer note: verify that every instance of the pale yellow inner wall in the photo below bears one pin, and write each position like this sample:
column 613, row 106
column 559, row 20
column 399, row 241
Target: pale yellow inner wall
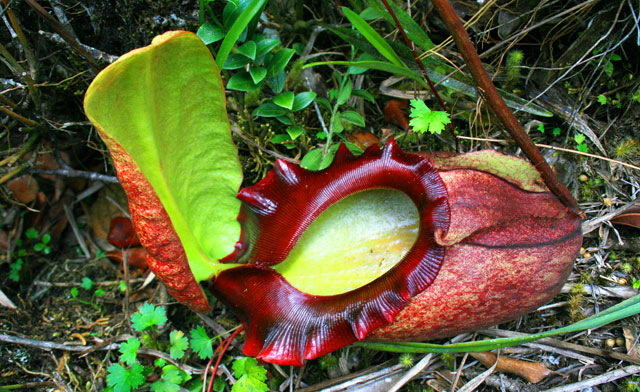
column 352, row 242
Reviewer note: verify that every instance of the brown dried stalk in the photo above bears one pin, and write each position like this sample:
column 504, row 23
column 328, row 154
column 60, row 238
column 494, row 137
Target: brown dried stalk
column 493, row 98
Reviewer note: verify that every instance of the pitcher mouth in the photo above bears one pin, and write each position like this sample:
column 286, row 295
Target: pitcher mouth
column 286, row 325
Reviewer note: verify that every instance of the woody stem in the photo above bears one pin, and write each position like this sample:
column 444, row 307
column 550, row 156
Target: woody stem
column 495, row 101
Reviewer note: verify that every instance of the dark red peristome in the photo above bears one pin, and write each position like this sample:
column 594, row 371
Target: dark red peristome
column 287, row 326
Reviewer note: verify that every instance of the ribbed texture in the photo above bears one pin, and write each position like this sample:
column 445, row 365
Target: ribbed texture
column 287, row 326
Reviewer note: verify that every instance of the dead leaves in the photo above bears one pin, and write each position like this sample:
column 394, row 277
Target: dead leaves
column 395, row 111
column 630, row 217
column 533, row 372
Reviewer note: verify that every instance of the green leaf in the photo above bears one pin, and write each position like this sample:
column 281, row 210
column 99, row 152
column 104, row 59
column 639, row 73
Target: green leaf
column 251, row 376
column 86, row 283
column 414, row 32
column 424, row 119
column 279, row 61
column 295, row 131
column 579, row 138
column 46, row 238
column 129, row 351
column 74, row 290
column 269, row 109
column 364, row 94
column 265, row 45
column 556, row 131
column 345, row 93
column 353, row 118
column 373, row 37
column 210, row 33
column 277, row 82
column 284, row 100
column 312, row 160
column 370, row 14
column 236, row 29
column 148, row 316
column 170, row 123
column 303, row 100
column 582, row 147
column 99, row 293
column 285, row 119
column 541, row 127
column 248, row 50
column 201, row 344
column 602, row 100
column 257, row 74
column 511, row 100
column 170, row 381
column 31, row 233
column 236, row 61
column 179, row 343
column 242, row 81
column 353, row 70
column 125, row 380
column 39, row 247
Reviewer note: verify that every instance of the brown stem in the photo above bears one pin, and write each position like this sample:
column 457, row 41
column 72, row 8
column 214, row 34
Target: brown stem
column 424, row 71
column 488, row 90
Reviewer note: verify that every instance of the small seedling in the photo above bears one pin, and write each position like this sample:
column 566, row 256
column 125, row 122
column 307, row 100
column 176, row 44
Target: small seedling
column 424, row 119
column 149, row 316
column 580, row 143
column 250, row 375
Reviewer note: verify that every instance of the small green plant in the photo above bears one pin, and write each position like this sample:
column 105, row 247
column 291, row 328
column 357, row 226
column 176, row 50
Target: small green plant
column 602, row 99
column 580, row 142
column 541, row 127
column 34, row 243
column 250, row 375
column 513, row 64
column 424, row 119
column 129, row 374
column 340, row 120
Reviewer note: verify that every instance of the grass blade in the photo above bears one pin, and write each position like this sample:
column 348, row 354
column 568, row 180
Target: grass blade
column 373, row 37
column 622, row 310
column 413, row 30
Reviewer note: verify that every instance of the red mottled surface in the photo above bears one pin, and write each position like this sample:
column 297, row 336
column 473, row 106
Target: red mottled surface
column 166, row 256
column 515, row 251
column 286, row 326
column 122, row 234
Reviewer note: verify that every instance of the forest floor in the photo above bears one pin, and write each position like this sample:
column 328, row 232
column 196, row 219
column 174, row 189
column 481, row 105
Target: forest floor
column 66, row 303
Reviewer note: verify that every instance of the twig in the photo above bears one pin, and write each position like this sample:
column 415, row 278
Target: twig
column 493, row 98
column 236, row 129
column 76, row 174
column 5, row 301
column 601, row 379
column 93, row 52
column 60, row 29
column 589, row 226
column 557, row 149
column 624, row 292
column 47, row 345
column 562, row 344
column 76, row 231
